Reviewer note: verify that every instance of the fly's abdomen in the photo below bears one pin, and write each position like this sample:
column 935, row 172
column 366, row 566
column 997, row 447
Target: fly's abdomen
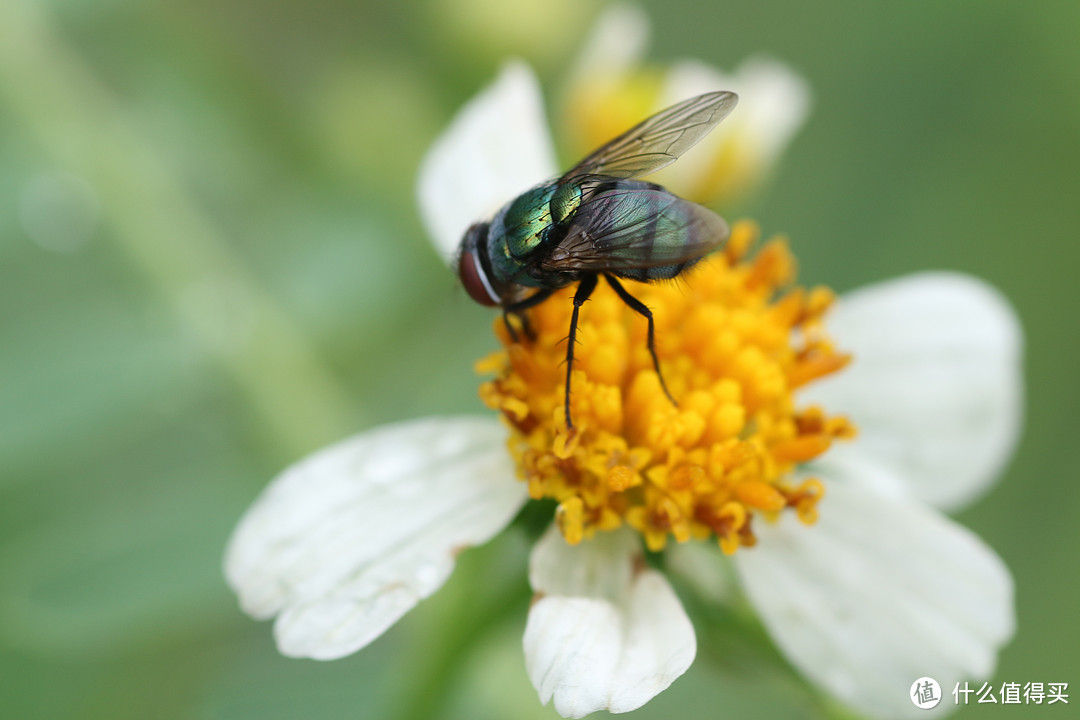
column 663, row 272
column 658, row 236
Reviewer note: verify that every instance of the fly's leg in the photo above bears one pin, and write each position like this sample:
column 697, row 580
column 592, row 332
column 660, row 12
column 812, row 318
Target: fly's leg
column 584, row 290
column 640, row 308
column 510, row 328
column 519, row 309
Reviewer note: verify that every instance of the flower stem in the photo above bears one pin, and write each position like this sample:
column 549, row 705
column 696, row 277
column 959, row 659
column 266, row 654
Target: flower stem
column 481, row 596
column 82, row 128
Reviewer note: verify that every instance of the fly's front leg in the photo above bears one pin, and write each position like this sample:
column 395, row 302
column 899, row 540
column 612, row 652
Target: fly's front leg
column 584, row 290
column 640, row 308
column 519, row 309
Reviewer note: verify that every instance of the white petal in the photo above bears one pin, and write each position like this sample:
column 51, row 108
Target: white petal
column 605, row 632
column 496, row 147
column 773, row 100
column 877, row 594
column 773, row 104
column 615, row 44
column 348, row 540
column 935, row 387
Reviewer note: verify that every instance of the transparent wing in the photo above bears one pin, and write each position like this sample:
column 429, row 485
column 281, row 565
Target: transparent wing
column 635, row 225
column 658, row 141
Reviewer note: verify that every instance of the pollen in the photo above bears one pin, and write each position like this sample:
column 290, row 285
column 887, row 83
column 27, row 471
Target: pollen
column 735, row 338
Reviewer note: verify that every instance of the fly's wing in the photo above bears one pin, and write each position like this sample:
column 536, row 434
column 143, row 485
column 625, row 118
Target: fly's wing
column 658, row 141
column 634, row 225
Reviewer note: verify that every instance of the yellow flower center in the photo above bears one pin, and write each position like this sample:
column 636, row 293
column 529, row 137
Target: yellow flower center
column 601, row 106
column 734, row 339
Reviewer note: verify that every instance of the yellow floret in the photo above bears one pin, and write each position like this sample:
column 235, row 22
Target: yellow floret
column 735, row 339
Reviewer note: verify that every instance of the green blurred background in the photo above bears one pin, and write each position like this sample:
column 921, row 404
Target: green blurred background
column 211, row 263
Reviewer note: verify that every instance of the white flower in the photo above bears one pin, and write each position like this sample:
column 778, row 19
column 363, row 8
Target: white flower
column 882, row 590
column 611, row 88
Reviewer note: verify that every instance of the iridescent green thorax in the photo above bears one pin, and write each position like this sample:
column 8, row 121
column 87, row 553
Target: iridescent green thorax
column 525, row 226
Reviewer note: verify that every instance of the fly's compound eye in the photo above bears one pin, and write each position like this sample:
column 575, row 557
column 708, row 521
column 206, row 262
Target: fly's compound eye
column 471, row 270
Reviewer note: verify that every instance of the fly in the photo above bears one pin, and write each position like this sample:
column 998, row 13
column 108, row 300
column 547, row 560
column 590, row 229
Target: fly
column 598, row 220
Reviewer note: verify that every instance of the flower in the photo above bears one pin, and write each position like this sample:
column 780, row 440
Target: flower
column 611, row 89
column 881, row 590
column 736, row 339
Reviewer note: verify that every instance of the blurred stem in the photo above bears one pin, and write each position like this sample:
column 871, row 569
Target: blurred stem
column 168, row 239
column 481, row 596
column 733, row 639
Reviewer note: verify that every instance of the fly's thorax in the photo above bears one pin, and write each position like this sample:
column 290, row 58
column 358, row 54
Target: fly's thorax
column 520, row 229
column 526, row 229
column 564, row 201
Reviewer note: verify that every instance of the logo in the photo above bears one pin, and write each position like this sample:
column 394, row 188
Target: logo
column 925, row 693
